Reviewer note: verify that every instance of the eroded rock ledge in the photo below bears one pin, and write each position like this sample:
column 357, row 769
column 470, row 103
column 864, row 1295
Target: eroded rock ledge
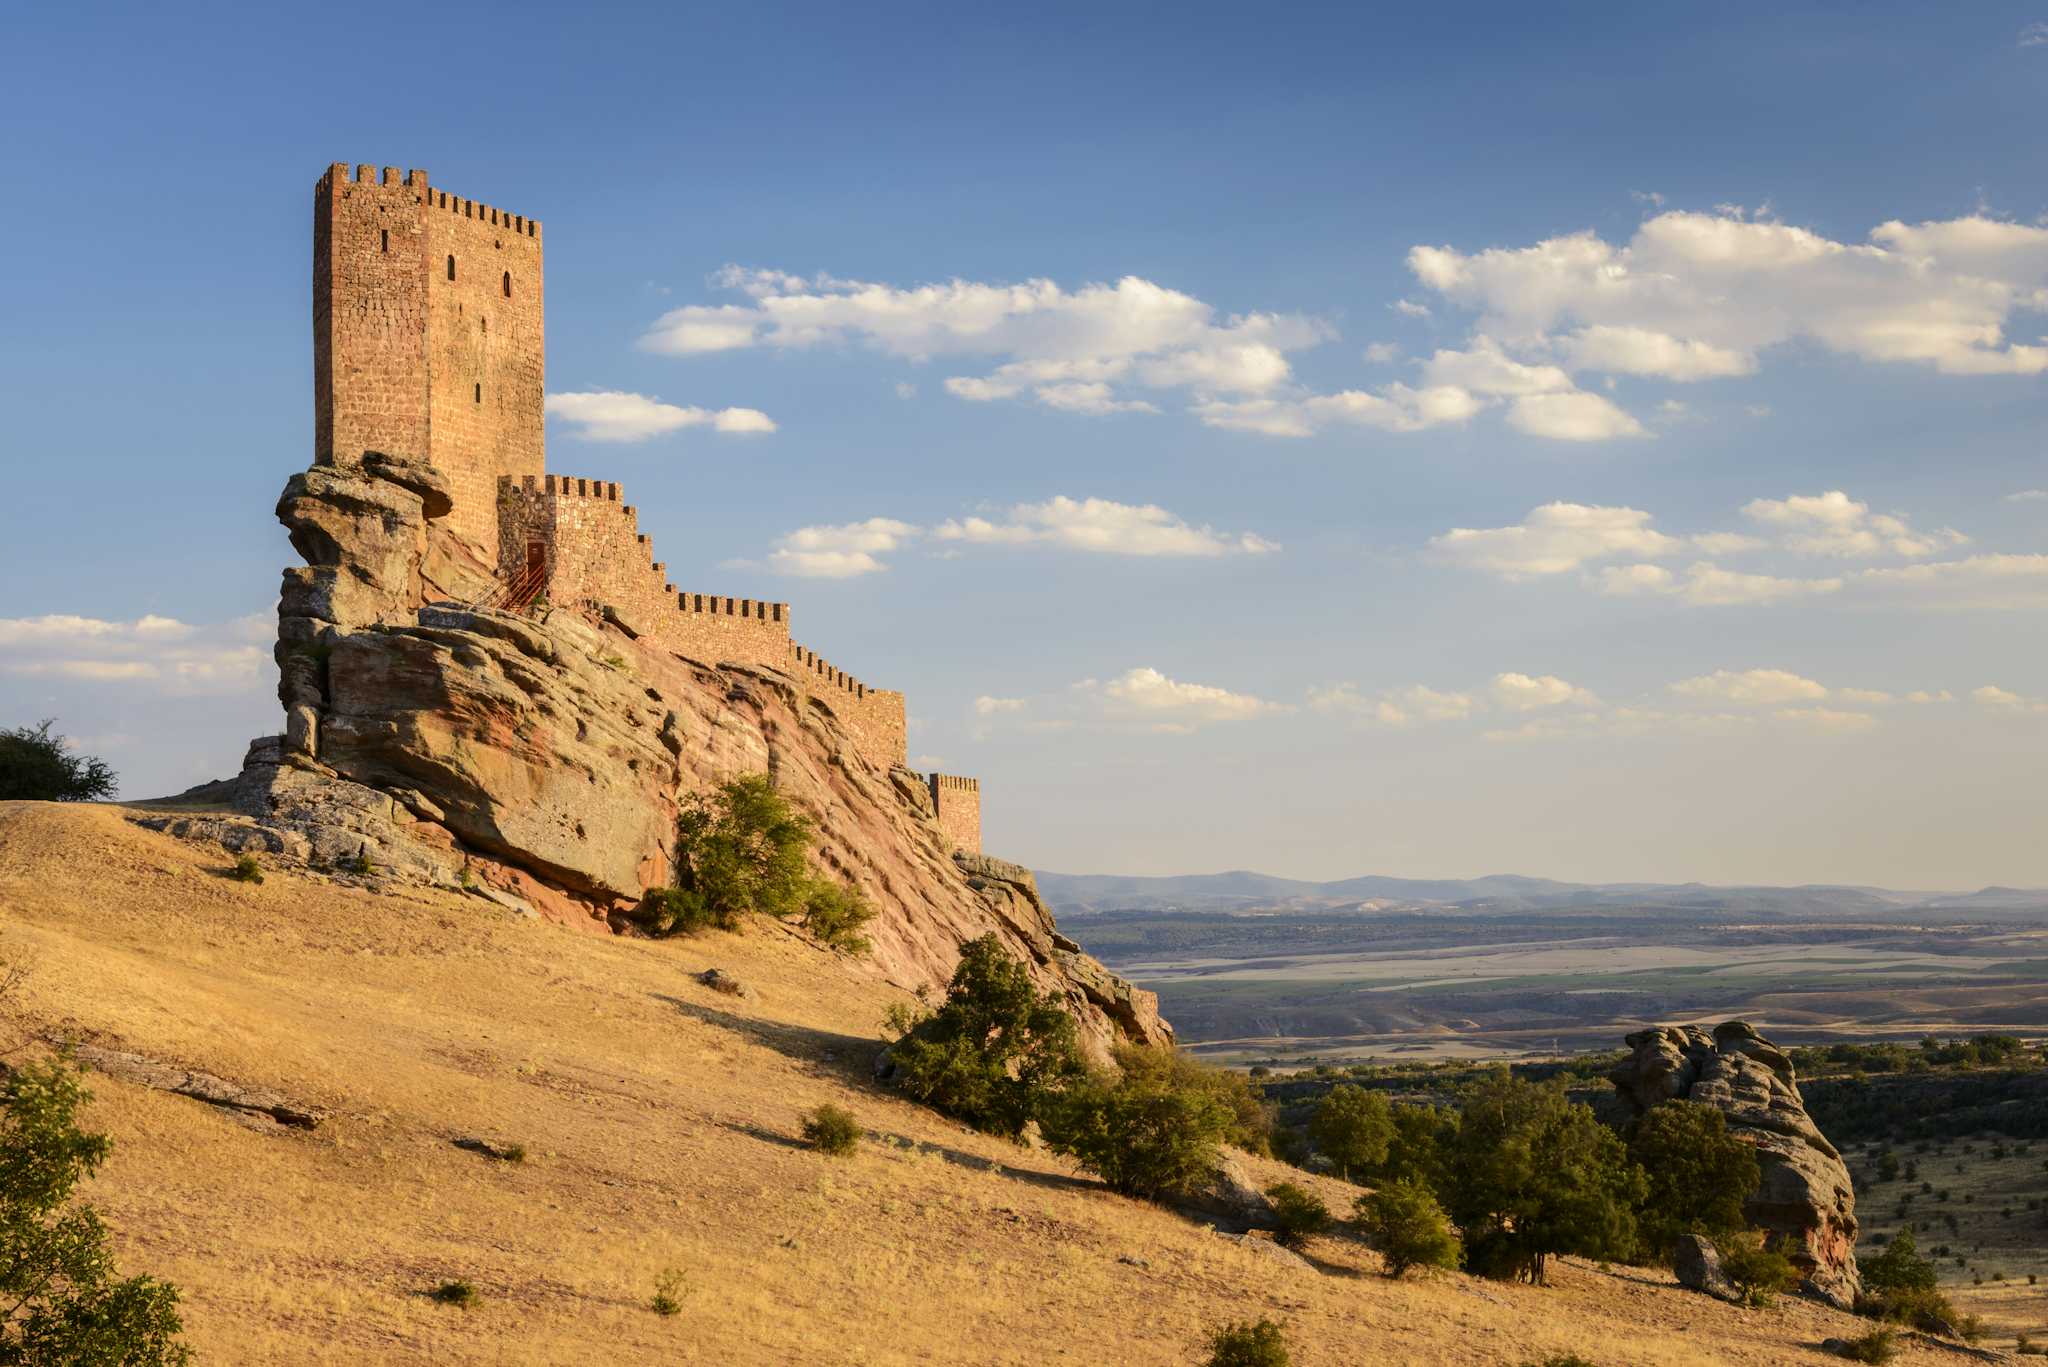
column 539, row 756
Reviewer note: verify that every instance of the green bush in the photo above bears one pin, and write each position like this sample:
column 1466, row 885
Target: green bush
column 1698, row 1175
column 66, row 1302
column 671, row 911
column 246, row 869
column 1561, row 1360
column 1421, row 1136
column 1408, row 1227
column 1353, row 1128
column 832, row 1129
column 741, row 848
column 1147, row 1130
column 1251, row 1124
column 36, row 766
column 1761, row 1273
column 1298, row 1214
column 1532, row 1174
column 668, row 1293
column 1879, row 1345
column 836, row 913
column 994, row 1051
column 1899, row 1285
column 1249, row 1344
column 459, row 1292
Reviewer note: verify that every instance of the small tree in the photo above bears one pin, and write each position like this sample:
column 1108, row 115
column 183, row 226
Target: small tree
column 36, row 766
column 1409, row 1227
column 65, row 1302
column 1759, row 1271
column 1698, row 1174
column 739, row 849
column 836, row 913
column 1535, row 1174
column 1421, row 1135
column 1249, row 1344
column 832, row 1129
column 1147, row 1130
column 994, row 1051
column 1298, row 1214
column 1352, row 1128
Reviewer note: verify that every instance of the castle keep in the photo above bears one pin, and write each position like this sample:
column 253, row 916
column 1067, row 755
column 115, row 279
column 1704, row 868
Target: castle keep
column 428, row 342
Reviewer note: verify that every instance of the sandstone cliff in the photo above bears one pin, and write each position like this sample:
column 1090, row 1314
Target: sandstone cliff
column 538, row 756
column 1805, row 1202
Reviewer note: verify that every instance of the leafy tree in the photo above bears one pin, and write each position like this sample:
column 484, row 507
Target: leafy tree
column 1352, row 1128
column 836, row 913
column 36, row 766
column 1298, row 1214
column 1759, row 1271
column 1698, row 1174
column 1260, row 1344
column 1172, row 1069
column 1409, row 1227
column 1899, row 1268
column 1534, row 1174
column 740, row 848
column 1416, row 1153
column 65, row 1303
column 1151, row 1130
column 832, row 1129
column 994, row 1051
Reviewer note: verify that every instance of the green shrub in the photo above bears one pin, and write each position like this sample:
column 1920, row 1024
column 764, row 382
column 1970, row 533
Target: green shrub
column 1298, row 1214
column 360, row 865
column 1251, row 1124
column 668, row 1293
column 741, row 848
column 836, row 914
column 1533, row 1174
column 1421, row 1136
column 671, row 911
column 1352, row 1128
column 994, row 1051
column 1561, row 1360
column 1148, row 1130
column 1879, row 1345
column 1408, row 1227
column 66, row 1303
column 1758, row 1271
column 832, row 1129
column 36, row 766
column 246, row 869
column 458, row 1293
column 1249, row 1344
column 1698, row 1175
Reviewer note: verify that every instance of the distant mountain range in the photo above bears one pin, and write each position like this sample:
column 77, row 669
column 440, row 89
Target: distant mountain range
column 1242, row 891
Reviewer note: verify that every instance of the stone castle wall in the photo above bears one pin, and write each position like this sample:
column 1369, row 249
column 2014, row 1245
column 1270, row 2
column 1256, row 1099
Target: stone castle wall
column 428, row 334
column 958, row 803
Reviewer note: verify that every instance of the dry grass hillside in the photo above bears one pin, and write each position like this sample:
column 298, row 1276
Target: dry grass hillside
column 660, row 1124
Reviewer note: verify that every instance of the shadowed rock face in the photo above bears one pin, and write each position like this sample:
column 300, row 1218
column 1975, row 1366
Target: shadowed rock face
column 1804, row 1202
column 547, row 752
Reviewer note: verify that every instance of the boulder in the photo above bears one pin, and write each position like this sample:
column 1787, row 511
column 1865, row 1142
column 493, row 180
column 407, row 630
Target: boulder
column 1697, row 1264
column 1805, row 1203
column 718, row 980
column 1229, row 1199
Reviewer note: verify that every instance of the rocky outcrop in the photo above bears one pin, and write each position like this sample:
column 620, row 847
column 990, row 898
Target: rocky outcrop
column 539, row 756
column 1697, row 1264
column 1804, row 1203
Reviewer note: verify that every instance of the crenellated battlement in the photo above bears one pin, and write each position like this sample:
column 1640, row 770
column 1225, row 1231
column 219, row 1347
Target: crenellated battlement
column 341, row 173
column 957, row 803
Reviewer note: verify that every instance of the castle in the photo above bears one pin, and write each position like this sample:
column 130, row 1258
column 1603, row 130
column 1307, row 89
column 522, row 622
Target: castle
column 429, row 341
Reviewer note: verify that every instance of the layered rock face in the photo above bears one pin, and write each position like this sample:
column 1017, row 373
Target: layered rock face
column 543, row 753
column 1805, row 1202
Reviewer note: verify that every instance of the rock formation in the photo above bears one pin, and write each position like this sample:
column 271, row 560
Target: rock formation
column 538, row 756
column 1804, row 1203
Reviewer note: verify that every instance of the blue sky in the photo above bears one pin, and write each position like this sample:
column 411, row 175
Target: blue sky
column 1307, row 439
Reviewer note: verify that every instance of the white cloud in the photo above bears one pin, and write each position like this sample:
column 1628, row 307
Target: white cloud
column 1921, row 695
column 1392, row 707
column 2027, row 496
column 1708, row 585
column 1379, row 353
column 1181, row 706
column 1522, row 693
column 1078, row 350
column 615, row 416
column 1409, row 308
column 1975, row 583
column 1751, row 687
column 1834, row 524
column 174, row 656
column 1555, row 539
column 839, row 552
column 1576, row 416
column 2034, row 34
column 1392, row 408
column 905, row 390
column 1865, row 697
column 1827, row 719
column 987, row 706
column 1693, row 296
column 2005, row 700
column 1102, row 526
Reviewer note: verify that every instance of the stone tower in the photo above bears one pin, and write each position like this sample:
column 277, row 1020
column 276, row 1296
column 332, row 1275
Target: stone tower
column 427, row 335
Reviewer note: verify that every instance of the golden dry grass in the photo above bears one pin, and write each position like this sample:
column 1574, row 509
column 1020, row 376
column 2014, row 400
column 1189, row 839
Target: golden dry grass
column 660, row 1120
